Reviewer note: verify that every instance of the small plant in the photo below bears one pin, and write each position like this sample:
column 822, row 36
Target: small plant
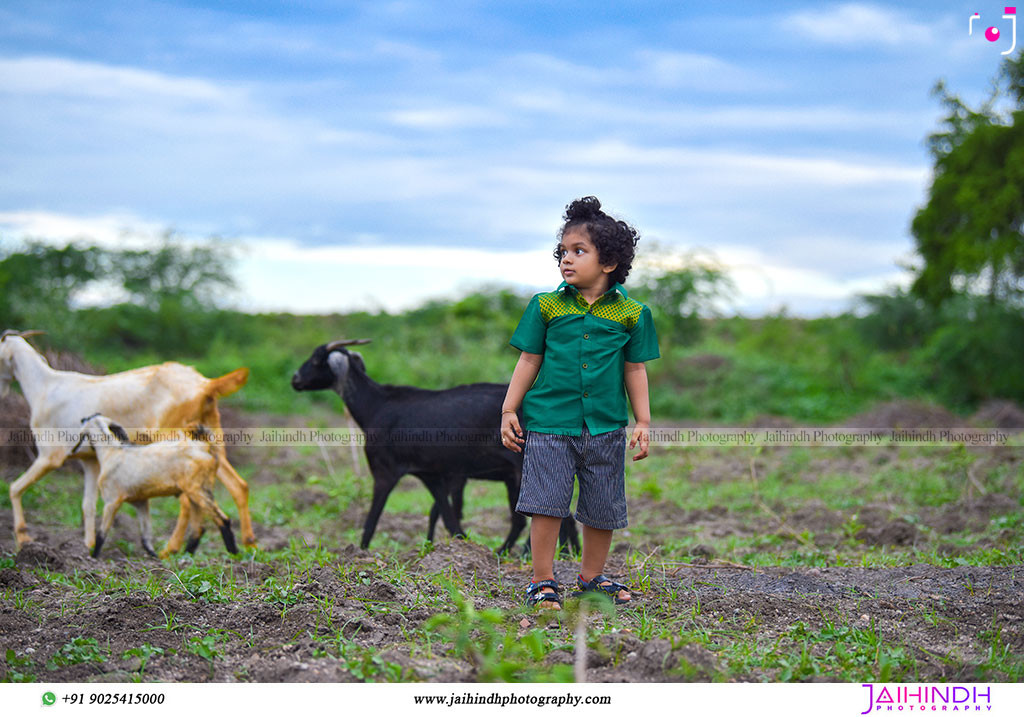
column 852, row 527
column 144, row 652
column 18, row 669
column 204, row 585
column 366, row 664
column 489, row 640
column 207, row 646
column 280, row 594
column 79, row 650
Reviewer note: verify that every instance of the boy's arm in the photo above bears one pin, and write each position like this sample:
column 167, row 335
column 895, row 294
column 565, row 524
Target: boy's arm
column 639, row 398
column 523, row 376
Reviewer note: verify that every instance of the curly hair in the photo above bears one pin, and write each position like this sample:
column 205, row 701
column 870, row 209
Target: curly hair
column 614, row 239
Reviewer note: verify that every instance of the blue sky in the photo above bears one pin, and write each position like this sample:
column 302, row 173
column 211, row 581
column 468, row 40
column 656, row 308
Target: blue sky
column 364, row 155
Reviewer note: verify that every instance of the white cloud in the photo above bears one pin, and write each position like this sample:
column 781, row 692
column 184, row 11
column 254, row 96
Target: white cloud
column 448, row 118
column 697, row 71
column 858, row 24
column 58, row 76
column 742, row 168
column 764, row 283
column 108, row 230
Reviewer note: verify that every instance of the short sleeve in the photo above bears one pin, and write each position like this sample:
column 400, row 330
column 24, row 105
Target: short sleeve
column 643, row 340
column 529, row 335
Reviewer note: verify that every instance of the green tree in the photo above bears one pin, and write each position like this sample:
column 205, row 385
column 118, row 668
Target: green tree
column 40, row 281
column 970, row 231
column 176, row 273
column 172, row 291
column 678, row 296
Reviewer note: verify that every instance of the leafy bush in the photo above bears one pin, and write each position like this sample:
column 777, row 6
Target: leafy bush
column 976, row 352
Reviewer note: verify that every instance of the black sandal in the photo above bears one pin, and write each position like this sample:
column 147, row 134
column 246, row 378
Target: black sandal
column 535, row 597
column 612, row 589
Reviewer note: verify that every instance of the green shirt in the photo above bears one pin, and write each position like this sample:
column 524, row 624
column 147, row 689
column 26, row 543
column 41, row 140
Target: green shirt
column 584, row 347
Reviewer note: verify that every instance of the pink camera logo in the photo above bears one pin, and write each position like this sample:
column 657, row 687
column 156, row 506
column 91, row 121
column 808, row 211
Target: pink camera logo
column 992, row 33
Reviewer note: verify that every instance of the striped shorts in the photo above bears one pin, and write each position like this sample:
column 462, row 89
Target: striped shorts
column 550, row 462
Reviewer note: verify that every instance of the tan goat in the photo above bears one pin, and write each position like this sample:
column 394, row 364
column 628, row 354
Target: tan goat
column 131, row 472
column 168, row 395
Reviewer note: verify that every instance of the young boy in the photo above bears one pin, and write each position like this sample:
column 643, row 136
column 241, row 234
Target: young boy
column 583, row 344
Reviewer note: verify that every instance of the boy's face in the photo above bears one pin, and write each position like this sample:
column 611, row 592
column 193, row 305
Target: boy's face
column 580, row 264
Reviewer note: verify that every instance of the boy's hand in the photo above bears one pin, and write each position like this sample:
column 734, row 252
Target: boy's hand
column 642, row 436
column 511, row 433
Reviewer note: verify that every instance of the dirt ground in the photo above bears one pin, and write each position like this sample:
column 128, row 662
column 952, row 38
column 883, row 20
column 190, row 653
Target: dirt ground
column 940, row 612
column 937, row 612
column 945, row 622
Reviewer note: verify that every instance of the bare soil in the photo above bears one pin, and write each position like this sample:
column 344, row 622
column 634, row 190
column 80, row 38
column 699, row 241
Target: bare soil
column 936, row 614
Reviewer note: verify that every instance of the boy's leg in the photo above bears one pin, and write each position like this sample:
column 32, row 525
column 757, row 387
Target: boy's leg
column 543, row 542
column 596, row 543
column 545, row 494
column 602, row 499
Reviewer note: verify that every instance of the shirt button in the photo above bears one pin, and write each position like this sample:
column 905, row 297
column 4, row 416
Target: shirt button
column 586, row 336
column 584, row 365
column 586, row 394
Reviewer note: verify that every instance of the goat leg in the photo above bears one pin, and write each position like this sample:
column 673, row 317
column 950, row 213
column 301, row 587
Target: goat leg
column 223, row 522
column 439, row 489
column 227, row 535
column 384, row 481
column 456, row 487
column 42, row 465
column 145, row 526
column 109, row 511
column 200, row 506
column 568, row 536
column 435, row 513
column 178, row 536
column 239, row 491
column 98, row 545
column 193, row 541
column 91, row 472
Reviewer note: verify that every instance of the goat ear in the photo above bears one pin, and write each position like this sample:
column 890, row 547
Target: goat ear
column 119, row 433
column 338, row 363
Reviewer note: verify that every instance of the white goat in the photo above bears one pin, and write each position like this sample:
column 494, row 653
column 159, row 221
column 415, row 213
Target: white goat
column 167, row 395
column 132, row 472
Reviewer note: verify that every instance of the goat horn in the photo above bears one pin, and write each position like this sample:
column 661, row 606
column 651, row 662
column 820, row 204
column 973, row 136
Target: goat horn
column 22, row 334
column 346, row 342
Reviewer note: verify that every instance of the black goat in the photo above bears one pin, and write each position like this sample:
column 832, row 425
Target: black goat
column 441, row 437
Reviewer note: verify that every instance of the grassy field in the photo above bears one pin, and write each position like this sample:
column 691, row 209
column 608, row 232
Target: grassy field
column 770, row 564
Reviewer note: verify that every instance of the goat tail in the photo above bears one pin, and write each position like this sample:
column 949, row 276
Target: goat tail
column 228, row 383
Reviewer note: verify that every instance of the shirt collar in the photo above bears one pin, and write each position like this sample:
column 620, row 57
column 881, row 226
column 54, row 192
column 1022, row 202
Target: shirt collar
column 614, row 287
